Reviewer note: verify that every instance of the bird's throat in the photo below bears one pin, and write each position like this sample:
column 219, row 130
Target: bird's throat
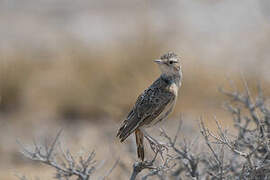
column 172, row 78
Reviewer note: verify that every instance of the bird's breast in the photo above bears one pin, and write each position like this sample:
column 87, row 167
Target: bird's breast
column 173, row 88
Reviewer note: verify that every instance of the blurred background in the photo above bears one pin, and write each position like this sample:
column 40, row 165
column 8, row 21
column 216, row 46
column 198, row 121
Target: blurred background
column 81, row 65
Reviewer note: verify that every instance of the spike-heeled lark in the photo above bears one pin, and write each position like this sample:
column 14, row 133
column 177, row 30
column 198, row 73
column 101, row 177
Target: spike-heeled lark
column 155, row 103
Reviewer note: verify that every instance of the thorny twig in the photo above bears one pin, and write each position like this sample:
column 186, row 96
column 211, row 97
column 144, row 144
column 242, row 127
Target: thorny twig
column 65, row 164
column 156, row 170
column 139, row 166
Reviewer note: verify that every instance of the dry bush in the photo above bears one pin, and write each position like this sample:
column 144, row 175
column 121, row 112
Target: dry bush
column 243, row 154
column 66, row 164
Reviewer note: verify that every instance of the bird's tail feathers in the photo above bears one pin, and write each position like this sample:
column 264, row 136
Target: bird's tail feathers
column 126, row 129
column 123, row 131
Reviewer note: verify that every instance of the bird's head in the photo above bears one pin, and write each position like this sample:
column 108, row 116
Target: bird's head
column 169, row 64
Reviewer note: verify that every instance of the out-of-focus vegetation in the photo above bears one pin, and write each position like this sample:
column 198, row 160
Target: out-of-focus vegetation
column 83, row 84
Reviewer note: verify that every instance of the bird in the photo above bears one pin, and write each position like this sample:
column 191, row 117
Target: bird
column 155, row 103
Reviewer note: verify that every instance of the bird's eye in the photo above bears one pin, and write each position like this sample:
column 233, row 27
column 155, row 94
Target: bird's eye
column 170, row 62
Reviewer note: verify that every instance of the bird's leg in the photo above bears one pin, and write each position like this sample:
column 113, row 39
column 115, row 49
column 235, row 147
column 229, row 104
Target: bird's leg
column 156, row 146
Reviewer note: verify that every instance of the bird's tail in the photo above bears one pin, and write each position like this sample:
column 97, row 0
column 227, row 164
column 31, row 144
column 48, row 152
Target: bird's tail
column 139, row 142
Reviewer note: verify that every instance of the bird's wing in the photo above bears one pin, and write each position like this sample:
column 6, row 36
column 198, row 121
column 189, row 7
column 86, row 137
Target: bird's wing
column 151, row 106
column 148, row 106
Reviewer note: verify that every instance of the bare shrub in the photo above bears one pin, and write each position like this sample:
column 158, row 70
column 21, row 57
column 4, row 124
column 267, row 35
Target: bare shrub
column 64, row 163
column 241, row 154
column 226, row 155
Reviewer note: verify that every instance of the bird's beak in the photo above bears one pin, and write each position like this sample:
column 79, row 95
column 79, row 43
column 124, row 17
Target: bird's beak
column 158, row 61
